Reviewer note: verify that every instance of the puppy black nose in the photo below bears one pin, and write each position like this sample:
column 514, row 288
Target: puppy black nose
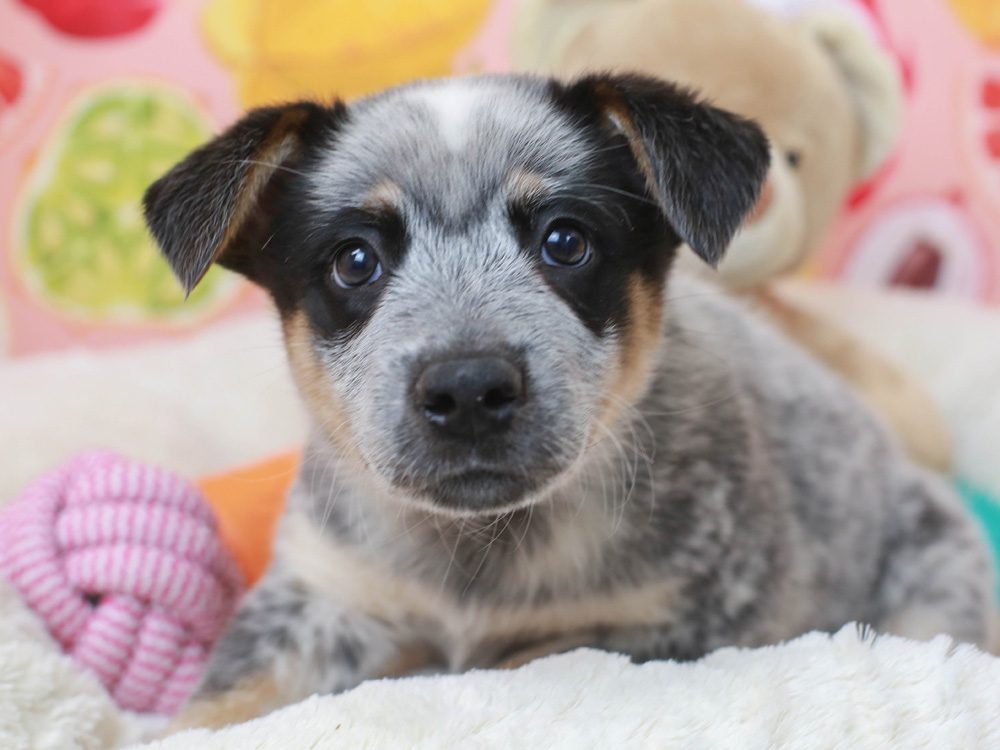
column 470, row 397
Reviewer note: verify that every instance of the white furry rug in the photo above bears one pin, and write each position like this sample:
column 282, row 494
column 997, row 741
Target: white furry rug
column 844, row 691
column 819, row 691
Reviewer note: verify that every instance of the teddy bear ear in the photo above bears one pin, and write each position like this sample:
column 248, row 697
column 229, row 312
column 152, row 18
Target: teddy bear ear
column 542, row 29
column 872, row 78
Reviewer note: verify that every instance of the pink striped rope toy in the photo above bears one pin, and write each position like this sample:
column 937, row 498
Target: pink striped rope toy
column 124, row 564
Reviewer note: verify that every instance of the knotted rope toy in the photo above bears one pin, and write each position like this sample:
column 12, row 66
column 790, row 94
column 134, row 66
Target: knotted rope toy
column 124, row 564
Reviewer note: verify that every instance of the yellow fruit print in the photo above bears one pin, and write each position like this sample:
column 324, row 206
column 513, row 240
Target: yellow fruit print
column 982, row 17
column 280, row 50
column 82, row 244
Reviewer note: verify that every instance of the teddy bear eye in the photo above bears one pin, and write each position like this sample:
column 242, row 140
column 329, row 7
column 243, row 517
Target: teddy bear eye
column 794, row 158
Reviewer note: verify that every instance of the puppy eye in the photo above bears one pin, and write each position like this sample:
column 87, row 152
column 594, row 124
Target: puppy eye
column 356, row 264
column 565, row 245
column 794, row 159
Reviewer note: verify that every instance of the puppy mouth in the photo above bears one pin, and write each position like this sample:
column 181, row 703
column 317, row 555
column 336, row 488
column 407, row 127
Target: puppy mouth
column 475, row 490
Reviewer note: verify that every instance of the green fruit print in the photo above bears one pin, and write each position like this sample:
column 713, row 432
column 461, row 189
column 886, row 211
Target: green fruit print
column 85, row 248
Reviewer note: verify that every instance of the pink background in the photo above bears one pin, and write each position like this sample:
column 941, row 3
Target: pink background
column 936, row 204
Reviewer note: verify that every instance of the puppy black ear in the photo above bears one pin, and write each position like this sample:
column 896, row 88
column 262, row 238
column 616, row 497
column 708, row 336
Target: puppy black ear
column 704, row 166
column 211, row 206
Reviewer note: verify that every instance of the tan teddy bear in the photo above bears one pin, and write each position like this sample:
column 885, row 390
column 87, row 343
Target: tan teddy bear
column 829, row 99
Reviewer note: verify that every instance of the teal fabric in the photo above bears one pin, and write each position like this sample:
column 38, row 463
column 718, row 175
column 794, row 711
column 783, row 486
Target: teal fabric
column 987, row 510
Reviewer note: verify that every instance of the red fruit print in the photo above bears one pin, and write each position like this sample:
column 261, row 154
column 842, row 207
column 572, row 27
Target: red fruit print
column 979, row 134
column 11, row 82
column 992, row 143
column 991, row 93
column 95, row 19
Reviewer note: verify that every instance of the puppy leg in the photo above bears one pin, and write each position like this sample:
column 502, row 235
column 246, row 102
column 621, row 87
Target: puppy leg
column 938, row 576
column 285, row 644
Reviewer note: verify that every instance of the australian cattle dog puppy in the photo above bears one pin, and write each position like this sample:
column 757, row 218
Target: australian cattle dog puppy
column 527, row 434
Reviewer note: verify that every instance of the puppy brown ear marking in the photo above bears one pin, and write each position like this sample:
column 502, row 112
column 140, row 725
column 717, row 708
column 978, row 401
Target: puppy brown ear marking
column 209, row 208
column 702, row 165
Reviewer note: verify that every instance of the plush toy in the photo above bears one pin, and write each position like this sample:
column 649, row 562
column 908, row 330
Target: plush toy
column 829, row 99
column 124, row 564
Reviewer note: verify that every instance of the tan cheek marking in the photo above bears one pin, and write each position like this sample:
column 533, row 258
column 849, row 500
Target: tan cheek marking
column 639, row 346
column 311, row 378
column 249, row 699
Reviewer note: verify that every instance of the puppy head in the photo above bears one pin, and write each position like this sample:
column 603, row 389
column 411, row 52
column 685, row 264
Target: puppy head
column 470, row 272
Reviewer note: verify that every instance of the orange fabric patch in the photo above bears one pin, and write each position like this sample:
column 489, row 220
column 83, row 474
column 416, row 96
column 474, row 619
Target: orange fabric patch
column 248, row 503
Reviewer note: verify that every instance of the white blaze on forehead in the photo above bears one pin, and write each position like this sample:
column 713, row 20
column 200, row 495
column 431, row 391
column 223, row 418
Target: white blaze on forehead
column 452, row 104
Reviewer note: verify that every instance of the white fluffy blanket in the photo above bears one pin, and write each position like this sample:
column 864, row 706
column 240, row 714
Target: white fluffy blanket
column 819, row 691
column 843, row 691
